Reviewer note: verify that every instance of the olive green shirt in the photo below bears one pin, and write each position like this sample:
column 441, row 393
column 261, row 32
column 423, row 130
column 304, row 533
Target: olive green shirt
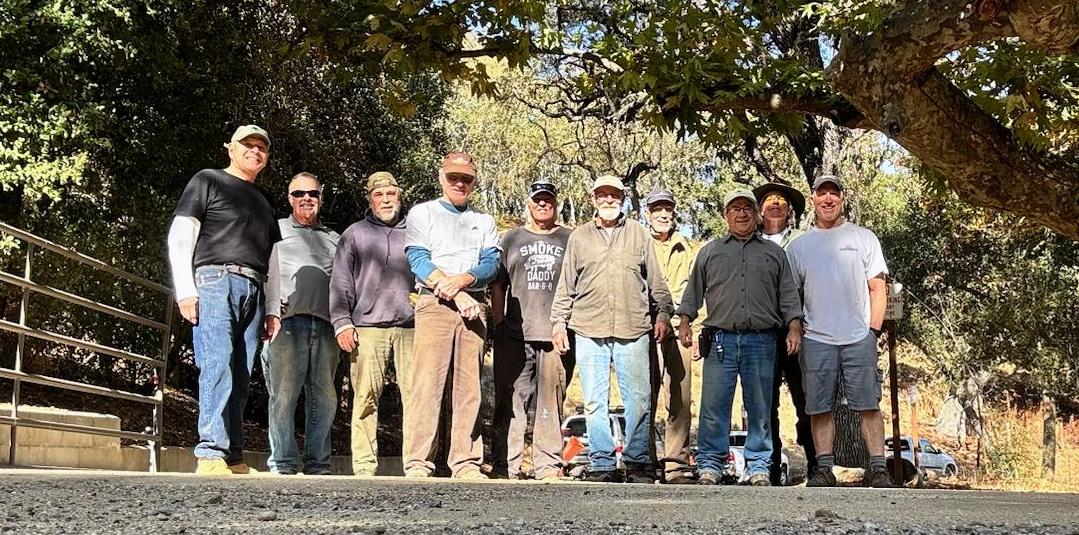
column 609, row 283
column 675, row 257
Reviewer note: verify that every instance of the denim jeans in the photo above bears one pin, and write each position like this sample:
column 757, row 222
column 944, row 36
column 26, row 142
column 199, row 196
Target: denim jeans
column 226, row 337
column 630, row 359
column 751, row 357
column 304, row 356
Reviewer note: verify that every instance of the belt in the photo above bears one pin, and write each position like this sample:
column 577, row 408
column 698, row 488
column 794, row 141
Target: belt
column 747, row 331
column 242, row 271
column 423, row 290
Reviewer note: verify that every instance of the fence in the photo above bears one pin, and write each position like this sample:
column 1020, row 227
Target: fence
column 153, row 434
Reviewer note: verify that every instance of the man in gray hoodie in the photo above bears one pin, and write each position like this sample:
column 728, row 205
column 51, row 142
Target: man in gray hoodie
column 371, row 312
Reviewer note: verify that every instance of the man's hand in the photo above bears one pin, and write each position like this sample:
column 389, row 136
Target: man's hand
column 272, row 324
column 346, row 339
column 685, row 333
column 189, row 309
column 662, row 330
column 560, row 341
column 469, row 308
column 794, row 337
column 449, row 286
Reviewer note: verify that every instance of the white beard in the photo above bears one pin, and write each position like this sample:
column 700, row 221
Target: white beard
column 609, row 214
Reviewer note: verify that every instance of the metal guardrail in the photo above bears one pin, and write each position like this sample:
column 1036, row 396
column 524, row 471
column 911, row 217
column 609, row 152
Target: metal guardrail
column 153, row 434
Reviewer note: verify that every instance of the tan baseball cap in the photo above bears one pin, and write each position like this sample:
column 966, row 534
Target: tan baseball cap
column 459, row 163
column 249, row 130
column 740, row 194
column 381, row 179
column 608, row 180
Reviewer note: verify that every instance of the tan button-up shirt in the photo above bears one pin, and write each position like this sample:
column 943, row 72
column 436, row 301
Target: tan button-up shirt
column 609, row 283
column 675, row 257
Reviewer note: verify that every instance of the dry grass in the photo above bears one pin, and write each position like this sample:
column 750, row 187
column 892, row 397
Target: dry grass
column 1012, row 463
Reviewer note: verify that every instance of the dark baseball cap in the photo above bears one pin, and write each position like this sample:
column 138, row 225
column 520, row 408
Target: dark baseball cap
column 825, row 179
column 541, row 186
column 659, row 194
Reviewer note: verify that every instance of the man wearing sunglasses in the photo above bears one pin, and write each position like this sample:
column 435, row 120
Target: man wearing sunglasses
column 302, row 354
column 371, row 312
column 453, row 251
column 781, row 208
column 530, row 376
column 219, row 251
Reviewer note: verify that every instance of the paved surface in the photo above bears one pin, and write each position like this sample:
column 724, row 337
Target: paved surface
column 89, row 502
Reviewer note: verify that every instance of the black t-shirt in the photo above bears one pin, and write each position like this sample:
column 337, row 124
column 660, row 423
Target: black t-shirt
column 237, row 220
column 531, row 264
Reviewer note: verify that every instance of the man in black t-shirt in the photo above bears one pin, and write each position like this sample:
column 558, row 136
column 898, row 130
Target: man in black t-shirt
column 219, row 249
column 530, row 376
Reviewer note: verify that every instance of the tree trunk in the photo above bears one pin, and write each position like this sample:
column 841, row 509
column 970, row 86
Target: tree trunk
column 848, row 447
column 1049, row 438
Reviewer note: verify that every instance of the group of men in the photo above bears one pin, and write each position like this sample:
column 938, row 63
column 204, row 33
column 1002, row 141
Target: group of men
column 413, row 291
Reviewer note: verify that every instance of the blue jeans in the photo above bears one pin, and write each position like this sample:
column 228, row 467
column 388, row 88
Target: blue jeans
column 750, row 356
column 630, row 359
column 226, row 337
column 304, row 356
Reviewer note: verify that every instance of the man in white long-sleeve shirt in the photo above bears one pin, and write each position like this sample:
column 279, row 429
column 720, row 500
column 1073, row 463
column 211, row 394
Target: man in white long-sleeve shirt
column 219, row 249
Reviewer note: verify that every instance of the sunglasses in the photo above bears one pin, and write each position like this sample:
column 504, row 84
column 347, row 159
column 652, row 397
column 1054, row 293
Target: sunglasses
column 298, row 194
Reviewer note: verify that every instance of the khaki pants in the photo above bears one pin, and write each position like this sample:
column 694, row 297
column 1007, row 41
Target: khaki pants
column 672, row 368
column 374, row 349
column 444, row 343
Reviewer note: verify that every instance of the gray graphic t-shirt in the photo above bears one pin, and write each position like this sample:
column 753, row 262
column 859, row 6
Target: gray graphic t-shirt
column 531, row 263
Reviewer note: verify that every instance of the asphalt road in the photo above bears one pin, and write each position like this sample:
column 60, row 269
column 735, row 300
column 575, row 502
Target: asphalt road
column 95, row 502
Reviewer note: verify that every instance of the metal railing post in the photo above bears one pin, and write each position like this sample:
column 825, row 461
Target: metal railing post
column 159, row 388
column 20, row 349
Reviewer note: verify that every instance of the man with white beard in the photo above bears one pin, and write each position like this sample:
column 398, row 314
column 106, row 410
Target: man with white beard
column 372, row 317
column 610, row 278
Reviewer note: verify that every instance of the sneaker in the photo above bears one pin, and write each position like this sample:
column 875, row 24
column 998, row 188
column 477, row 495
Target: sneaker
column 363, row 473
column 602, row 476
column 640, row 473
column 823, row 477
column 280, row 471
column 213, row 467
column 417, row 473
column 708, row 477
column 759, row 480
column 471, row 475
column 316, row 472
column 241, row 469
column 878, row 479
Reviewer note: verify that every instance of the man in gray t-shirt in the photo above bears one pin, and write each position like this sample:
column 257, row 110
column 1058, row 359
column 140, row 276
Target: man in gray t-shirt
column 530, row 377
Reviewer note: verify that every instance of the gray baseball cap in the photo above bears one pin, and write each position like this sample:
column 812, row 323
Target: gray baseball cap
column 659, row 194
column 740, row 194
column 825, row 179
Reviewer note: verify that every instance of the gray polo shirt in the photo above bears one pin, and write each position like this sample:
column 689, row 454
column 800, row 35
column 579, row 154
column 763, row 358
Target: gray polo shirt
column 747, row 285
column 300, row 268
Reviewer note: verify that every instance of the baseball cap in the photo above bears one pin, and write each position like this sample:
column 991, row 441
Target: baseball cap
column 541, row 186
column 459, row 163
column 380, row 179
column 824, row 179
column 249, row 130
column 608, row 180
column 794, row 197
column 659, row 194
column 739, row 194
